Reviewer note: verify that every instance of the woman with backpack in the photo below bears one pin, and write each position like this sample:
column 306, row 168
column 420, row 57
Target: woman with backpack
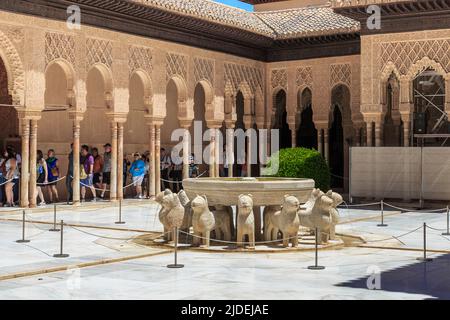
column 53, row 175
column 42, row 176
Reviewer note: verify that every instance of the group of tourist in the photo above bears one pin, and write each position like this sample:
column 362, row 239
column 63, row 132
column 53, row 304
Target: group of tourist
column 95, row 174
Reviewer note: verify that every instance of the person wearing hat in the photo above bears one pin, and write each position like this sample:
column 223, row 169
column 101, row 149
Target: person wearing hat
column 106, row 175
column 137, row 171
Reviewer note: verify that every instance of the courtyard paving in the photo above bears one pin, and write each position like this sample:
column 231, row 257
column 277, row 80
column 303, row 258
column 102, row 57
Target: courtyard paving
column 105, row 263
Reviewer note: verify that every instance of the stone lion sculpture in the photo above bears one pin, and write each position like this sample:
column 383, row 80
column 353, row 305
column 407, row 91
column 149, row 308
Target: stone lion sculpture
column 173, row 213
column 285, row 220
column 320, row 211
column 223, row 216
column 186, row 203
column 163, row 211
column 202, row 220
column 246, row 220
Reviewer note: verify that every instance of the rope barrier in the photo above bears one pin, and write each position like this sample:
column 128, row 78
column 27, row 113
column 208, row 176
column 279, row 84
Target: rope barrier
column 8, row 181
column 412, row 210
column 436, row 229
column 360, row 205
column 395, row 237
column 235, row 242
column 52, row 182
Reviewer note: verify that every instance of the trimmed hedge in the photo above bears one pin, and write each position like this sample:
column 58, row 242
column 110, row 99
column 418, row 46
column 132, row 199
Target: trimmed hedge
column 303, row 163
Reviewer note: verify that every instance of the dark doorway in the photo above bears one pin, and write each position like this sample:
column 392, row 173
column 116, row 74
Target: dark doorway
column 238, row 153
column 337, row 150
column 306, row 133
column 9, row 133
column 281, row 120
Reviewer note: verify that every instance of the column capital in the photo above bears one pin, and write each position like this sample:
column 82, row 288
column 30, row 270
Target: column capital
column 185, row 123
column 230, row 124
column 154, row 121
column 76, row 115
column 214, row 124
column 27, row 114
column 118, row 117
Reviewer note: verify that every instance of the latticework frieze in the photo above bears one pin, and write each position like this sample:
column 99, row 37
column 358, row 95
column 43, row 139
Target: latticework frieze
column 59, row 46
column 404, row 54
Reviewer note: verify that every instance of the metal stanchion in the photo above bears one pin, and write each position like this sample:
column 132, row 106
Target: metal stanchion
column 61, row 254
column 316, row 265
column 382, row 224
column 447, row 233
column 23, row 230
column 55, row 228
column 175, row 265
column 424, row 258
column 120, row 213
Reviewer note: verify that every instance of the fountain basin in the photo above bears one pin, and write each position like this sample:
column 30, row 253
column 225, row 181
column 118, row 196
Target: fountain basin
column 266, row 191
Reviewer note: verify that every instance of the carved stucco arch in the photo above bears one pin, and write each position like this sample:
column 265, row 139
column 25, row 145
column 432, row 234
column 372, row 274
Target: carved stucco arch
column 422, row 65
column 14, row 69
column 347, row 114
column 148, row 88
column 182, row 97
column 209, row 99
column 107, row 81
column 69, row 73
column 301, row 104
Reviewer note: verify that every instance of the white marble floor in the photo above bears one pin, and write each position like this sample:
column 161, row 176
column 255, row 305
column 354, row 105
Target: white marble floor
column 215, row 275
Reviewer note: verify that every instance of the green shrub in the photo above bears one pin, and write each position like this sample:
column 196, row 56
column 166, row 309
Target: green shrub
column 302, row 163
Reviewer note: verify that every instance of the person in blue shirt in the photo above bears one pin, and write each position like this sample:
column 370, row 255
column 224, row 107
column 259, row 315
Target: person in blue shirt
column 137, row 171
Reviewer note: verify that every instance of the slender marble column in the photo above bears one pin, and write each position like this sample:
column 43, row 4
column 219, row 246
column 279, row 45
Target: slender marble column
column 326, row 147
column 249, row 155
column 24, row 175
column 186, row 144
column 33, row 161
column 158, row 158
column 406, row 133
column 218, row 149
column 152, row 180
column 230, row 150
column 76, row 163
column 120, row 161
column 369, row 134
column 378, row 134
column 294, row 138
column 319, row 141
column 114, row 145
column 212, row 153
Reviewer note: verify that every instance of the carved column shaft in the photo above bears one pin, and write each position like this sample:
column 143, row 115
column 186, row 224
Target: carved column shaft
column 158, row 157
column 186, row 151
column 230, row 151
column 114, row 153
column 152, row 182
column 33, row 161
column 24, row 176
column 76, row 162
column 120, row 161
column 212, row 153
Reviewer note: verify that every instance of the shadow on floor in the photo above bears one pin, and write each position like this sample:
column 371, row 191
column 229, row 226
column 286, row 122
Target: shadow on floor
column 431, row 278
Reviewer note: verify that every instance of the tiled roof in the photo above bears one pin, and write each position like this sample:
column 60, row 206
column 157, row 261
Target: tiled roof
column 309, row 21
column 282, row 24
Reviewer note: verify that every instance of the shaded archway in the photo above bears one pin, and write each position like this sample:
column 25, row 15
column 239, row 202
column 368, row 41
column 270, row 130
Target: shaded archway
column 9, row 130
column 307, row 132
column 200, row 101
column 280, row 119
column 340, row 136
column 95, row 127
column 392, row 126
column 135, row 129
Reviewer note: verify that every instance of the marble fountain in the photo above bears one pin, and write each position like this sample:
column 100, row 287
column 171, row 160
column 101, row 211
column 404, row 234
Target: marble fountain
column 227, row 212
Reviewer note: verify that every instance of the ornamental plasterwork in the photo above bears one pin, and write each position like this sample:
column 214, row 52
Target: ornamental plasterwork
column 59, row 46
column 176, row 65
column 340, row 74
column 204, row 70
column 140, row 58
column 99, row 51
column 236, row 74
column 405, row 53
column 304, row 77
column 278, row 78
